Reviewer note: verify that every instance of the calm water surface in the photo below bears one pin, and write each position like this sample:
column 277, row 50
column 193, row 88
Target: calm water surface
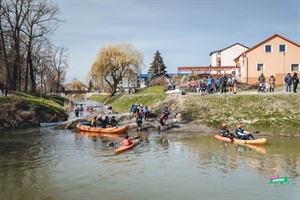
column 49, row 164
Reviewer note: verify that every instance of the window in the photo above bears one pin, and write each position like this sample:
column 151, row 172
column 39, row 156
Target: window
column 282, row 48
column 268, row 48
column 260, row 67
column 294, row 67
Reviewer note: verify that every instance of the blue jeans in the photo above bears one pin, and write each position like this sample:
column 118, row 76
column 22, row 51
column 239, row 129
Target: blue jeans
column 288, row 87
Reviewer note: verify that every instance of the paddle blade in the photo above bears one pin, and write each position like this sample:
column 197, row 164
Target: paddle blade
column 136, row 138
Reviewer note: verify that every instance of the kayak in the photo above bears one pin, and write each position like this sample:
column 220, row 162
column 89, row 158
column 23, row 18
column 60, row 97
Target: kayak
column 83, row 126
column 259, row 141
column 124, row 148
column 107, row 135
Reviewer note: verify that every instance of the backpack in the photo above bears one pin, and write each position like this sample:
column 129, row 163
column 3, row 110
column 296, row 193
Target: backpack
column 229, row 82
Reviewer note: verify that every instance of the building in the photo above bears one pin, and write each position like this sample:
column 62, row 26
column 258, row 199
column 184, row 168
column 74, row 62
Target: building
column 222, row 61
column 274, row 56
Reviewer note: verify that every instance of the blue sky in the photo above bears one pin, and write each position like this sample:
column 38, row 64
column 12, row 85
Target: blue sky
column 185, row 32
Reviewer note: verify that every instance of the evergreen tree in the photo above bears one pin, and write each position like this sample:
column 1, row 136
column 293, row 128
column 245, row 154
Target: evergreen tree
column 157, row 67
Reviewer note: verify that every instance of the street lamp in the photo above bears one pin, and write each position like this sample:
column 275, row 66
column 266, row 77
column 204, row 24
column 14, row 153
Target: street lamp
column 283, row 71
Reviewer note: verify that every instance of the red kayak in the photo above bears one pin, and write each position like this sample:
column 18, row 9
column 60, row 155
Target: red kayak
column 124, row 148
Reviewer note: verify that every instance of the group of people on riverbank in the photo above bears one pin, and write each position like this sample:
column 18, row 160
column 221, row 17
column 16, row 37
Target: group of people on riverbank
column 268, row 86
column 241, row 134
column 208, row 85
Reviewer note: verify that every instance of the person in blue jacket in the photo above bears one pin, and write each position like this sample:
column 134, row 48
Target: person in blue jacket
column 139, row 120
column 243, row 135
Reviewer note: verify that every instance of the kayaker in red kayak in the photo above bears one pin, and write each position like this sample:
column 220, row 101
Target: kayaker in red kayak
column 126, row 141
column 243, row 135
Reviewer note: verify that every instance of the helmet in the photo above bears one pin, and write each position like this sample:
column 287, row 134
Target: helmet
column 239, row 126
column 126, row 136
column 95, row 117
column 224, row 124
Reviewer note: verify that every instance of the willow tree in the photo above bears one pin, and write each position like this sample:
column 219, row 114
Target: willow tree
column 114, row 62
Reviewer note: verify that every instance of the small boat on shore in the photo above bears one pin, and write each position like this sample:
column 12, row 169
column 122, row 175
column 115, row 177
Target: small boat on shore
column 258, row 141
column 86, row 126
column 124, row 148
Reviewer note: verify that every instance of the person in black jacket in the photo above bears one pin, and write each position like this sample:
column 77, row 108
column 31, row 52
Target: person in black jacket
column 223, row 83
column 295, row 80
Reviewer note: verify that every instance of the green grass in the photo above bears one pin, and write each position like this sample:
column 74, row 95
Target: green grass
column 122, row 101
column 269, row 113
column 45, row 107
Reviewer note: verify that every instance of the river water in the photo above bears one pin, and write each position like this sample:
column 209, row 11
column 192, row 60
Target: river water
column 43, row 163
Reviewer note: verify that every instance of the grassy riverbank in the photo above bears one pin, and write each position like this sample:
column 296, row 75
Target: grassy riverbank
column 45, row 107
column 270, row 113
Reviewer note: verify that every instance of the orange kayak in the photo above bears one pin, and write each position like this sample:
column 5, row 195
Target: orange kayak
column 259, row 141
column 124, row 148
column 85, row 127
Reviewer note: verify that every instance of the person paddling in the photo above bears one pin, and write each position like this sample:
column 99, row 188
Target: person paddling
column 126, row 141
column 243, row 135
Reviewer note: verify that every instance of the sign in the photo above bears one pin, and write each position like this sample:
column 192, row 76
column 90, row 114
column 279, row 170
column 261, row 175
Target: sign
column 281, row 180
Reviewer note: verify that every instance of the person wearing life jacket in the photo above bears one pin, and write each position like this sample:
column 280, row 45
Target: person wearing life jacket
column 54, row 118
column 139, row 120
column 165, row 113
column 243, row 135
column 126, row 141
column 113, row 122
column 94, row 121
column 224, row 132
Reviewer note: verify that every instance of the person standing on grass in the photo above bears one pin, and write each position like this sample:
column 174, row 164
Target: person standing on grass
column 223, row 84
column 5, row 90
column 272, row 83
column 295, row 82
column 288, row 81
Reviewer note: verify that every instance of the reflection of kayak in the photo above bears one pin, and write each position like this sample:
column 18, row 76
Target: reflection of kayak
column 258, row 148
column 94, row 134
column 49, row 123
column 237, row 141
column 124, row 148
column 87, row 127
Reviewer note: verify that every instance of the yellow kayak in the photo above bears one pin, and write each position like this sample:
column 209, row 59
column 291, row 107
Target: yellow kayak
column 259, row 141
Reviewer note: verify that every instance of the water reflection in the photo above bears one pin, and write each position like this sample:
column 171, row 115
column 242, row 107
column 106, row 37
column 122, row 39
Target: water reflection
column 51, row 164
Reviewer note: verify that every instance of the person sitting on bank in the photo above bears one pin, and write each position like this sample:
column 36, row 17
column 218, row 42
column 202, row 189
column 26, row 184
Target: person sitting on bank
column 224, row 132
column 243, row 135
column 55, row 118
column 126, row 141
column 94, row 121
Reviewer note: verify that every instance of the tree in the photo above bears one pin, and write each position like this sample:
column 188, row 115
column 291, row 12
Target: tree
column 91, row 85
column 157, row 67
column 114, row 62
column 77, row 85
column 59, row 62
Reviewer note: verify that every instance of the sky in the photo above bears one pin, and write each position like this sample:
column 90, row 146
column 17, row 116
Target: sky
column 185, row 32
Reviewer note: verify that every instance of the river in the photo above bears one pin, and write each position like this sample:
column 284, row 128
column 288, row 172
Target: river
column 42, row 163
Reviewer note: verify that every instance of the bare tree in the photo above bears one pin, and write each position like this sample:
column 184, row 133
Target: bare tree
column 23, row 25
column 114, row 62
column 59, row 63
column 42, row 20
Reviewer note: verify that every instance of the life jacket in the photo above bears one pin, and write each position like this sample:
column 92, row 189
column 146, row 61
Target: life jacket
column 162, row 116
column 126, row 142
